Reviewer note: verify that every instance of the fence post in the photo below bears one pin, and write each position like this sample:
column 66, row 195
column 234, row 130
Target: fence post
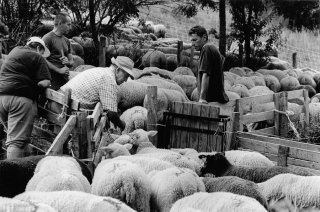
column 179, row 52
column 235, row 127
column 102, row 51
column 240, row 54
column 294, row 60
column 283, row 153
column 281, row 121
column 151, row 106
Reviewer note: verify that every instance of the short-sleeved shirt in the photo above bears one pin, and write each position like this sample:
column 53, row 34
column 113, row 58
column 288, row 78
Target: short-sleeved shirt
column 55, row 44
column 21, row 71
column 94, row 85
column 211, row 62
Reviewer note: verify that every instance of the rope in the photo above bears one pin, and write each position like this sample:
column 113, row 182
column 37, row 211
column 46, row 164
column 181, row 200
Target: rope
column 290, row 113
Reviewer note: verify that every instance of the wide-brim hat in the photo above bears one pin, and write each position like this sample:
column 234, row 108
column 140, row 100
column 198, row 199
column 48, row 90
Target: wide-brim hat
column 125, row 63
column 39, row 40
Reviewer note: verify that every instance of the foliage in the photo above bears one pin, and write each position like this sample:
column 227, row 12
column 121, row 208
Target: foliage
column 189, row 8
column 300, row 13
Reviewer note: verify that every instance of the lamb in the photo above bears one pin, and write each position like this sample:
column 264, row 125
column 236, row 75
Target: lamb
column 187, row 83
column 217, row 202
column 58, row 173
column 172, row 184
column 122, row 180
column 75, row 201
column 12, row 205
column 219, row 166
column 247, row 158
column 135, row 118
column 303, row 192
column 235, row 185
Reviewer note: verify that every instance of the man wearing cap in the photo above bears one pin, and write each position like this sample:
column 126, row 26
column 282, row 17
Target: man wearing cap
column 22, row 75
column 60, row 58
column 101, row 85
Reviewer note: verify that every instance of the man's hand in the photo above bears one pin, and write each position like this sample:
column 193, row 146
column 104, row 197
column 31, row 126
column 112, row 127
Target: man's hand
column 44, row 83
column 64, row 60
column 203, row 101
column 64, row 70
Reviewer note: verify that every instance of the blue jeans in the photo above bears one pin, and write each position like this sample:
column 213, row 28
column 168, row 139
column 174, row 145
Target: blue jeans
column 17, row 114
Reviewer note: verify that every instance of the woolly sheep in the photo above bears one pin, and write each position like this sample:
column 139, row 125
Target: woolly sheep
column 232, row 95
column 302, row 191
column 75, row 201
column 160, row 30
column 230, row 76
column 288, row 82
column 258, row 81
column 116, row 149
column 307, row 79
column 172, row 62
column 240, row 89
column 158, row 59
column 82, row 68
column 276, row 63
column 183, row 71
column 13, row 205
column 239, row 71
column 148, row 71
column 235, row 185
column 122, row 180
column 247, row 81
column 187, row 83
column 195, row 95
column 219, row 166
column 272, row 83
column 315, row 98
column 58, row 181
column 76, row 48
column 77, row 61
column 135, row 118
column 218, row 201
column 146, row 58
column 256, row 74
column 227, row 85
column 277, row 73
column 248, row 158
column 172, row 184
column 293, row 73
column 259, row 90
column 54, row 163
column 309, row 88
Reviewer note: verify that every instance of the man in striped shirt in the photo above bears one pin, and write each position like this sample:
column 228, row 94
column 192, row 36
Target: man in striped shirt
column 101, row 85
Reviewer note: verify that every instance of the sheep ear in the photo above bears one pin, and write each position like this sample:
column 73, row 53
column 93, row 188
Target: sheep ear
column 106, row 149
column 114, row 136
column 202, row 156
column 152, row 133
column 128, row 146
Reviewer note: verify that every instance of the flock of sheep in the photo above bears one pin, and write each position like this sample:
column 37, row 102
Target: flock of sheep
column 134, row 175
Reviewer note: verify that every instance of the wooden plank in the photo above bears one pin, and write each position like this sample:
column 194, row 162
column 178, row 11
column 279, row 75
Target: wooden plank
column 280, row 141
column 42, row 133
column 295, row 94
column 204, row 124
column 303, row 163
column 102, row 51
column 50, row 116
column 151, row 106
column 283, row 120
column 179, row 52
column 59, row 98
column 225, row 109
column 272, row 148
column 178, row 109
column 212, row 139
column 187, row 109
column 268, row 130
column 94, row 117
column 99, row 130
column 306, row 108
column 256, row 117
column 194, row 136
column 105, row 140
column 235, row 126
column 248, row 103
column 58, row 142
column 283, row 152
column 81, row 142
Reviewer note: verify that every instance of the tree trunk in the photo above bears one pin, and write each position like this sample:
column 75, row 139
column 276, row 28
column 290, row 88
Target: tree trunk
column 94, row 29
column 248, row 35
column 223, row 34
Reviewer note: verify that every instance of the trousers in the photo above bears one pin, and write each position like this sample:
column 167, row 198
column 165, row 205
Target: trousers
column 17, row 114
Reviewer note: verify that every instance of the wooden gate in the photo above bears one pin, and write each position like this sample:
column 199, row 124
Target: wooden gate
column 195, row 125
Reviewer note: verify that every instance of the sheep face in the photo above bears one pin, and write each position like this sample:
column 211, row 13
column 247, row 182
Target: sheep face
column 215, row 164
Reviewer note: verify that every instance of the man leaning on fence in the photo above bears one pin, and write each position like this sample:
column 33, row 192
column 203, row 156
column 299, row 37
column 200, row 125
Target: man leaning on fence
column 210, row 79
column 101, row 85
column 23, row 74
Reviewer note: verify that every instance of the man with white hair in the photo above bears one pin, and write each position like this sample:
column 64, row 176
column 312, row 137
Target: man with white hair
column 101, row 85
column 23, row 74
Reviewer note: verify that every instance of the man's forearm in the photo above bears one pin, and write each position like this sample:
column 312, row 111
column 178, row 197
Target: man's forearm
column 115, row 119
column 53, row 67
column 204, row 86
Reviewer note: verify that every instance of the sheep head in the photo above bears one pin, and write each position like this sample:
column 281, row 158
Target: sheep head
column 115, row 149
column 214, row 164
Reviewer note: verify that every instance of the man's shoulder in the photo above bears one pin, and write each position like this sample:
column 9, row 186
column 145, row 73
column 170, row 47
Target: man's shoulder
column 210, row 46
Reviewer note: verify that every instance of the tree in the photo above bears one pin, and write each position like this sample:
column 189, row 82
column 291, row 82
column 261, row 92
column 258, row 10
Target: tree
column 248, row 21
column 300, row 13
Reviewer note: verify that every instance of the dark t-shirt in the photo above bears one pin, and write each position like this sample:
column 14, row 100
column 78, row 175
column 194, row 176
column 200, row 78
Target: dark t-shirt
column 55, row 44
column 211, row 62
column 21, row 71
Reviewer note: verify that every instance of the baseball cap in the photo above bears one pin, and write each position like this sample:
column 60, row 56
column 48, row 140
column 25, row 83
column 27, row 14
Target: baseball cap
column 39, row 40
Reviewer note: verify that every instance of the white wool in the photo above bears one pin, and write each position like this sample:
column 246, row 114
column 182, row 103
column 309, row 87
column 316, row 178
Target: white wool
column 56, row 163
column 260, row 90
column 14, row 205
column 116, row 149
column 170, row 185
column 123, row 180
column 146, row 163
column 75, row 201
column 61, row 180
column 135, row 118
column 190, row 154
column 217, row 202
column 314, row 112
column 248, row 158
